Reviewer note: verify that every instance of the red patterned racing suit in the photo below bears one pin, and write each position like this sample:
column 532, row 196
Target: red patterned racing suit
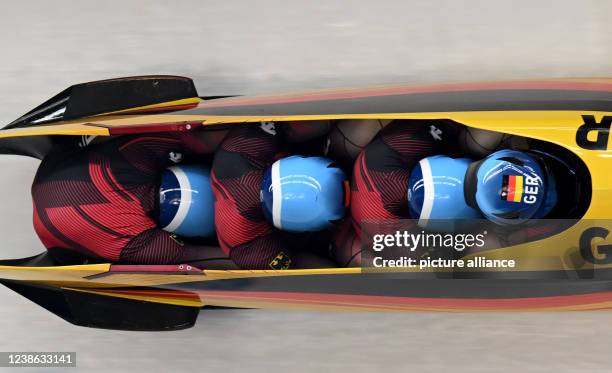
column 100, row 200
column 380, row 179
column 242, row 229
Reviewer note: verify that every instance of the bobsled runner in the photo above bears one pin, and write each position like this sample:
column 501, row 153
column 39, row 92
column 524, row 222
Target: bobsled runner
column 569, row 269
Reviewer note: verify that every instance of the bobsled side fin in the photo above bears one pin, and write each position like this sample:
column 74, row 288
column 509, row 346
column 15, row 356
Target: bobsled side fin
column 100, row 311
column 104, row 96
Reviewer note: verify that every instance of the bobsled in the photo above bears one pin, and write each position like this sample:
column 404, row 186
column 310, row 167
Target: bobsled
column 570, row 268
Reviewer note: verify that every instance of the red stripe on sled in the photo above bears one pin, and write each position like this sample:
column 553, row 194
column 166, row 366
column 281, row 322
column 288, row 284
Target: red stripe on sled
column 564, row 85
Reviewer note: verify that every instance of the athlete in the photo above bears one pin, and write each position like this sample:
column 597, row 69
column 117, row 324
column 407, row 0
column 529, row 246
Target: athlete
column 270, row 209
column 508, row 188
column 402, row 175
column 381, row 172
column 119, row 201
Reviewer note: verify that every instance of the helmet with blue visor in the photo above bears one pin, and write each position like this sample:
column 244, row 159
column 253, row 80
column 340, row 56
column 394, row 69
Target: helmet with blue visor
column 511, row 186
column 304, row 194
column 436, row 190
column 186, row 202
column 508, row 187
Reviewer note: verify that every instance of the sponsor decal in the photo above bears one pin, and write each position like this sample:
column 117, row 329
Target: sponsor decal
column 281, row 261
column 268, row 127
column 86, row 140
column 435, row 132
column 592, row 253
column 175, row 157
column 602, row 128
column 177, row 239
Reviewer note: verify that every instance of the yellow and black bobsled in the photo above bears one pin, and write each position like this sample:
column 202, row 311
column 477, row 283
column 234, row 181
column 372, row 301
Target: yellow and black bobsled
column 569, row 269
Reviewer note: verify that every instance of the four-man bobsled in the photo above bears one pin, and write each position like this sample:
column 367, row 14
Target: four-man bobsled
column 569, row 269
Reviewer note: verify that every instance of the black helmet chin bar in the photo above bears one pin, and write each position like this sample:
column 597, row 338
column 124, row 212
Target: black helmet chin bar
column 470, row 182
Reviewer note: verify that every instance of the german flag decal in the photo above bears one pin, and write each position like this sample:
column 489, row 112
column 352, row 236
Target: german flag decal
column 512, row 188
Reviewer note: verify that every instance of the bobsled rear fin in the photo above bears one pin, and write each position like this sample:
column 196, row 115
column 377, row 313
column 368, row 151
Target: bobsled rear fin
column 106, row 96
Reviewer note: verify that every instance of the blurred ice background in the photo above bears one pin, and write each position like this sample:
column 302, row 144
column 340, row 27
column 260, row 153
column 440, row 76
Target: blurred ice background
column 238, row 47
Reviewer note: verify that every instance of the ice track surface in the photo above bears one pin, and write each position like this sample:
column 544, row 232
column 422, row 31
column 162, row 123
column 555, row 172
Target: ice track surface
column 264, row 46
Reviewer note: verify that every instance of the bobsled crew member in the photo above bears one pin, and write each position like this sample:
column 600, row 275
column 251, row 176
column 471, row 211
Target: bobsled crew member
column 266, row 203
column 402, row 174
column 508, row 187
column 128, row 199
column 381, row 173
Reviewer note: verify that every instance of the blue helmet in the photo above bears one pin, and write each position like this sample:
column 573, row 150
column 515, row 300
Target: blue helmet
column 304, row 194
column 436, row 190
column 512, row 186
column 186, row 204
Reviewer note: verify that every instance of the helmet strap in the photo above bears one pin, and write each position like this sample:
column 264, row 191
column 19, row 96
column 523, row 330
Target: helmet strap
column 470, row 183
